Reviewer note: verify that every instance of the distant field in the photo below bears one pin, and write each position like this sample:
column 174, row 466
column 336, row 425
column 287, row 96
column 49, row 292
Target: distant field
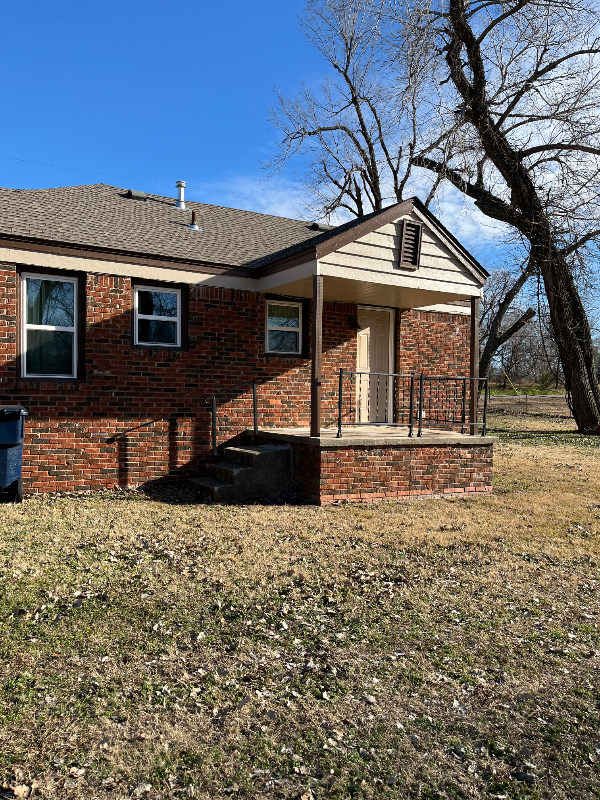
column 151, row 647
column 552, row 408
column 528, row 390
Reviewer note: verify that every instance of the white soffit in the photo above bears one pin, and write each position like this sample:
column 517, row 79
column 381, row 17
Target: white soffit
column 343, row 290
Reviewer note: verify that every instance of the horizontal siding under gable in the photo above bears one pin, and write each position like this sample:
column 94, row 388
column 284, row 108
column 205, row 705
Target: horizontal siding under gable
column 379, row 251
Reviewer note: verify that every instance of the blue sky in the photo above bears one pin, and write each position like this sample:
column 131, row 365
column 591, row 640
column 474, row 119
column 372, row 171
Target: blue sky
column 144, row 93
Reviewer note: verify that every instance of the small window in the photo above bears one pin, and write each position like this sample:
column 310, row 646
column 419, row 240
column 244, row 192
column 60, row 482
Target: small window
column 157, row 316
column 284, row 327
column 49, row 326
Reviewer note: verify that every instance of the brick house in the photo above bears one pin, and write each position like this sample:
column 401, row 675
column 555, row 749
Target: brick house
column 146, row 336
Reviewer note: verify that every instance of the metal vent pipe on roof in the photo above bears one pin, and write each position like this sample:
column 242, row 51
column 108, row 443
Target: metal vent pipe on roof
column 180, row 199
column 194, row 225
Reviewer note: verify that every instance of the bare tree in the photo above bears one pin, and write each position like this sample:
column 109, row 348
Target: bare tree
column 499, row 100
column 356, row 132
column 517, row 87
column 500, row 293
column 359, row 131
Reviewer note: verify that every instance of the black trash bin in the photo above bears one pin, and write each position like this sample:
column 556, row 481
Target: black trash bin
column 12, row 431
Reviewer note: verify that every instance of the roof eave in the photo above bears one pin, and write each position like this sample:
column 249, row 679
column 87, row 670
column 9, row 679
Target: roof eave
column 74, row 249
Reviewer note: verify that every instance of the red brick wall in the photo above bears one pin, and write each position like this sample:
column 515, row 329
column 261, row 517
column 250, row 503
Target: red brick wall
column 324, row 475
column 141, row 414
column 433, row 343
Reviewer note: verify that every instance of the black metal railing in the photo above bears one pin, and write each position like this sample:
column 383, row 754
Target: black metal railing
column 211, row 400
column 411, row 400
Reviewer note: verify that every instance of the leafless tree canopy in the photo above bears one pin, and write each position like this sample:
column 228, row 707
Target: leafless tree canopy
column 499, row 99
column 359, row 130
column 532, row 68
column 517, row 106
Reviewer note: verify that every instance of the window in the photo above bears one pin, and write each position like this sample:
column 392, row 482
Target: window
column 157, row 316
column 284, row 327
column 50, row 322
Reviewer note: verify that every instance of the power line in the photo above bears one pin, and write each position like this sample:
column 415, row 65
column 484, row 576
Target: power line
column 76, row 169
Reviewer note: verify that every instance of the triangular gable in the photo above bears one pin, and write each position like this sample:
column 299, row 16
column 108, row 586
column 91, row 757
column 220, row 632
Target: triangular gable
column 441, row 263
column 340, row 240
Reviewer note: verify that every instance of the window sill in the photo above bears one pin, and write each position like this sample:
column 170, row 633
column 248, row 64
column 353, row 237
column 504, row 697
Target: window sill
column 151, row 347
column 286, row 355
column 50, row 380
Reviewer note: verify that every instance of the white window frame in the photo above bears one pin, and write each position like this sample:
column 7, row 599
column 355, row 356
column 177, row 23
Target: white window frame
column 139, row 287
column 283, row 327
column 25, row 326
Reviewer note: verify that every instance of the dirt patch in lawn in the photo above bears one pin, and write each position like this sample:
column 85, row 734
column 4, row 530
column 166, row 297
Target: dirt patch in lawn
column 437, row 649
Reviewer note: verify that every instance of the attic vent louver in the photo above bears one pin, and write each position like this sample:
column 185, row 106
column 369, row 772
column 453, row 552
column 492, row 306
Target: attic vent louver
column 410, row 245
column 134, row 194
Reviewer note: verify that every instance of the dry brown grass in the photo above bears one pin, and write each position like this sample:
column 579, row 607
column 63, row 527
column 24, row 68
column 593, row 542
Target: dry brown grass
column 435, row 649
column 552, row 407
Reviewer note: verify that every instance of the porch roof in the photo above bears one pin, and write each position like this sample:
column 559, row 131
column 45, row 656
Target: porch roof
column 377, row 290
column 362, row 264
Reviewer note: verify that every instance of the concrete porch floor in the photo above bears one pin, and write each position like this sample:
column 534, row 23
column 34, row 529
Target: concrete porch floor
column 371, row 436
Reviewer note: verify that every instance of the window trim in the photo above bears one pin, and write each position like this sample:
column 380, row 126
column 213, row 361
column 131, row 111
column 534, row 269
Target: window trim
column 139, row 285
column 76, row 329
column 283, row 301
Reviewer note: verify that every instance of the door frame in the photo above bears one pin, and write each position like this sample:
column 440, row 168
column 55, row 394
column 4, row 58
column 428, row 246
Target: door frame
column 392, row 350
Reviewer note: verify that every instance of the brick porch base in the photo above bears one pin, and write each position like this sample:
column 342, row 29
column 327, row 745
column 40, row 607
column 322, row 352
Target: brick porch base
column 327, row 470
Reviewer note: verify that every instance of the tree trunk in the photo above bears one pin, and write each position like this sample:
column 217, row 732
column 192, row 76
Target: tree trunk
column 573, row 337
column 531, row 217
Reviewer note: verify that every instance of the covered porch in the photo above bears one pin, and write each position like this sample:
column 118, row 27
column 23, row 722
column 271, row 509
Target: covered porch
column 372, row 393
column 382, row 400
column 397, row 433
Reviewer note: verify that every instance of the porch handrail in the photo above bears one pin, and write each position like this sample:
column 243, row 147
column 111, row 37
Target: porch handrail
column 211, row 400
column 417, row 400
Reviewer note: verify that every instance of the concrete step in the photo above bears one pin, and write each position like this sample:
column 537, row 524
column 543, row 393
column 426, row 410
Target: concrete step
column 248, row 472
column 250, row 456
column 224, row 471
column 221, row 491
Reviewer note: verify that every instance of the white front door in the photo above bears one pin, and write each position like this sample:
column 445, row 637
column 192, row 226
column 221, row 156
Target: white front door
column 374, row 390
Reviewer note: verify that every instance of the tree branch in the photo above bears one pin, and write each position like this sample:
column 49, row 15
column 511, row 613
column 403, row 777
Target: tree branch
column 572, row 248
column 484, row 199
column 542, row 148
column 516, row 326
column 500, row 19
column 496, row 339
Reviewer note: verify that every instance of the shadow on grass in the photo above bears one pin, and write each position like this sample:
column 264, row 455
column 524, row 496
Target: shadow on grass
column 174, row 492
column 529, row 434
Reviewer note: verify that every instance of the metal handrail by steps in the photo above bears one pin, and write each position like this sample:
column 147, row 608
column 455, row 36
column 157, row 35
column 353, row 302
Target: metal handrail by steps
column 211, row 400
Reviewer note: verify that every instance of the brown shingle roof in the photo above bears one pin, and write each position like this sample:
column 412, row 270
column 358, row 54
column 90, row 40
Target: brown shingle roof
column 102, row 216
